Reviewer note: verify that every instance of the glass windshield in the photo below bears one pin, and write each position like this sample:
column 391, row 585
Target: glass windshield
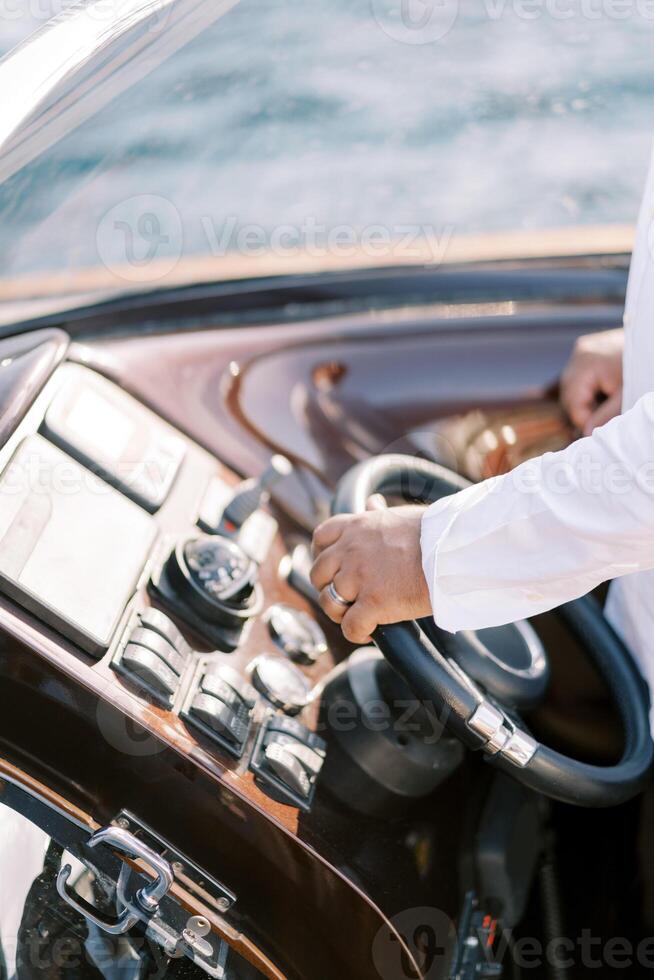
column 290, row 136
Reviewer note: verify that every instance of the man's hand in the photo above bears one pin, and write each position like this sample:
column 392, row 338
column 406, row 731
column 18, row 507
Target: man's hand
column 374, row 561
column 591, row 384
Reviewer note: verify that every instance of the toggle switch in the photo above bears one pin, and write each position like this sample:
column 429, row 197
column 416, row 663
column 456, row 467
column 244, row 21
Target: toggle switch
column 288, row 769
column 287, row 759
column 219, row 717
column 146, row 666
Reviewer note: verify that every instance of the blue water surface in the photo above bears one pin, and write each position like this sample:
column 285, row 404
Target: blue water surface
column 310, row 116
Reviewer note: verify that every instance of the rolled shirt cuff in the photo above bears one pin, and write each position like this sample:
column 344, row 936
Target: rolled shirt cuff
column 437, row 522
column 467, row 592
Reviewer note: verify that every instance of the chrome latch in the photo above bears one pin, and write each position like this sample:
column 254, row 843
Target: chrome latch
column 501, row 736
column 164, row 920
column 147, row 898
column 175, row 933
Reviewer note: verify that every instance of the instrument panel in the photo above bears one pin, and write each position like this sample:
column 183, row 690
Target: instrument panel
column 158, row 571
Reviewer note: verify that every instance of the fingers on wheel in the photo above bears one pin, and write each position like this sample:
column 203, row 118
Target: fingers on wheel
column 376, row 502
column 359, row 623
column 325, row 568
column 330, row 606
column 346, row 588
column 328, row 533
column 606, row 411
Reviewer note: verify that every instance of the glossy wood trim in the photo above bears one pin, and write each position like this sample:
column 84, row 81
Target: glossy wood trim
column 234, row 938
column 196, row 380
column 239, row 942
column 44, row 794
column 228, row 388
column 59, row 675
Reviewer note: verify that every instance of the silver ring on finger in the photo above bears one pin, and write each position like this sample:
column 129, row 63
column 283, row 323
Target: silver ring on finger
column 336, row 596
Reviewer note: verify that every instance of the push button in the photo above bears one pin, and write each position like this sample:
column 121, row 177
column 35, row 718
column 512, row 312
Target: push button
column 310, row 759
column 221, row 705
column 155, row 656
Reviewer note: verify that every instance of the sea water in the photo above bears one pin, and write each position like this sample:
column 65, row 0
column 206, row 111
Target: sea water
column 333, row 124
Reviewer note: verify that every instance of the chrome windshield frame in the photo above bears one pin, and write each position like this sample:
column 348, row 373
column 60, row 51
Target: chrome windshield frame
column 83, row 58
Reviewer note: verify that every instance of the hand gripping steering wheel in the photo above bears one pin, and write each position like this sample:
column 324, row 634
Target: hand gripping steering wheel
column 476, row 681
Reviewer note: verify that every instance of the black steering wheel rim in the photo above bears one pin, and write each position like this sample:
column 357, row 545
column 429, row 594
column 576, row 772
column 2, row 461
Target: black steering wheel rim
column 437, row 680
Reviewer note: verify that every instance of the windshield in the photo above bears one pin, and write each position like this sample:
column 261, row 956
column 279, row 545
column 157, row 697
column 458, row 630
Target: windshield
column 288, row 135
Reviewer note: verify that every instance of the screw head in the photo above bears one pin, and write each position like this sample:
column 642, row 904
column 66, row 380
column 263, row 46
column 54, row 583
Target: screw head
column 197, row 925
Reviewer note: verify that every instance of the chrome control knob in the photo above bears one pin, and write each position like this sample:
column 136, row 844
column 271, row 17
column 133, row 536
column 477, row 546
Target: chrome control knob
column 282, row 683
column 296, row 633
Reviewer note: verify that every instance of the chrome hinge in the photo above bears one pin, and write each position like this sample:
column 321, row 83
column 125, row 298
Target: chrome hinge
column 501, row 736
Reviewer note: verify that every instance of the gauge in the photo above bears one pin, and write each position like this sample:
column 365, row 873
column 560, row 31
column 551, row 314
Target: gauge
column 281, row 682
column 219, row 567
column 298, row 635
column 215, row 576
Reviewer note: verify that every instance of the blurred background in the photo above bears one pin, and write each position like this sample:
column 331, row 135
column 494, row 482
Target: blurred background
column 525, row 115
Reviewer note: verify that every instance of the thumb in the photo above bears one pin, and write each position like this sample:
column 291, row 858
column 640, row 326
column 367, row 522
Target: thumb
column 606, row 411
column 376, row 502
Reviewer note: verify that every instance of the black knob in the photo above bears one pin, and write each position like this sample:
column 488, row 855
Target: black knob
column 215, row 577
column 250, row 494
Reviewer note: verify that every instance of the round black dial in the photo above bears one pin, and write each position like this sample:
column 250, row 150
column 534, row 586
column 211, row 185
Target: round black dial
column 215, row 576
column 219, row 567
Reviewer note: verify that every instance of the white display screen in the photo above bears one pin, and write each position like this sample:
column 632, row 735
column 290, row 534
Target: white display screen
column 99, row 423
column 71, row 547
column 115, row 436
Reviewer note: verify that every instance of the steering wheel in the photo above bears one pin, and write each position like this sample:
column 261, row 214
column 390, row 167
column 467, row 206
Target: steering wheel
column 477, row 681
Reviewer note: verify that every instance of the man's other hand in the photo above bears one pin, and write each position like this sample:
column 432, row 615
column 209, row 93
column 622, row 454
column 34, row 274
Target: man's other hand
column 591, row 384
column 374, row 562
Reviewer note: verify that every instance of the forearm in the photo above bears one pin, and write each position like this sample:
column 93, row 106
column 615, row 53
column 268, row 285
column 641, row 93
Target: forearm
column 548, row 532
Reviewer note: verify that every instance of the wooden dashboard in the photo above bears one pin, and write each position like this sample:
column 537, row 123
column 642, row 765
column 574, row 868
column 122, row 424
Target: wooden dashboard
column 310, row 883
column 94, row 743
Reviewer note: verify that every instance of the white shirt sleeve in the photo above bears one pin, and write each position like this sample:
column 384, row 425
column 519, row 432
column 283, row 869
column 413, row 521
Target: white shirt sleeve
column 547, row 532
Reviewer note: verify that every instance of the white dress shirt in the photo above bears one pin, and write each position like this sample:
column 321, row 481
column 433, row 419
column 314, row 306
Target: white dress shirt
column 557, row 526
